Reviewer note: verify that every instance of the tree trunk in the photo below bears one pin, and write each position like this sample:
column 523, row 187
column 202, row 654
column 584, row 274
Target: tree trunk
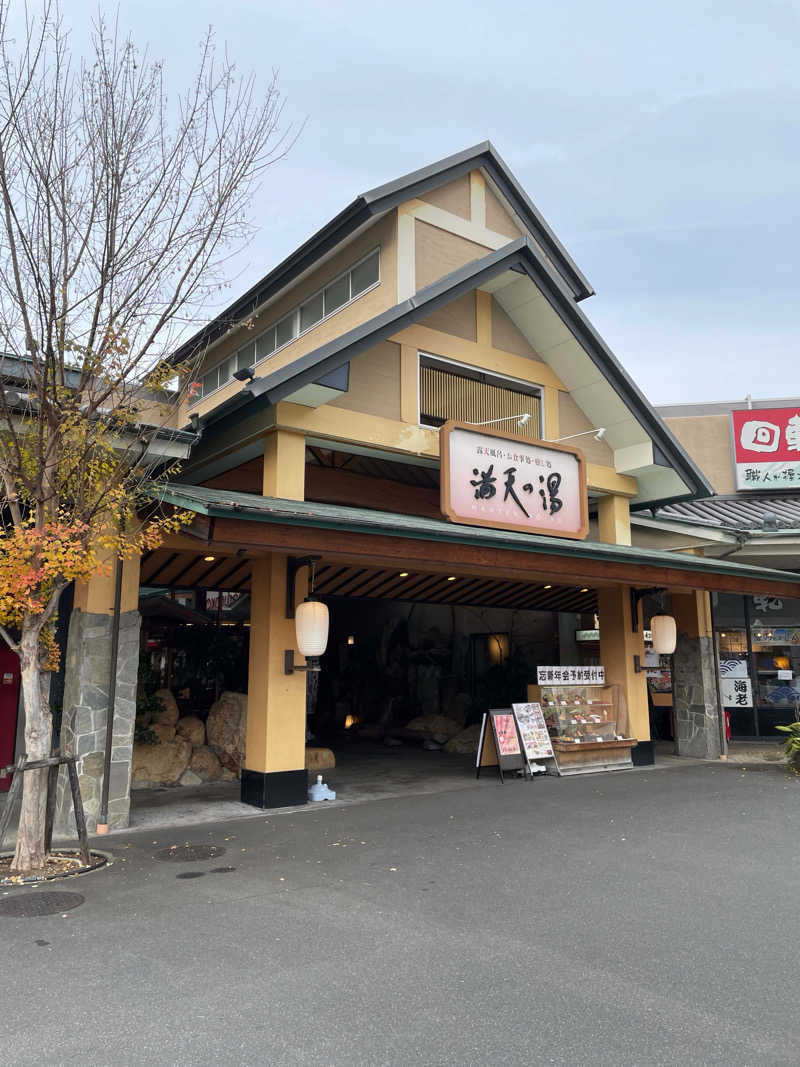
column 30, row 855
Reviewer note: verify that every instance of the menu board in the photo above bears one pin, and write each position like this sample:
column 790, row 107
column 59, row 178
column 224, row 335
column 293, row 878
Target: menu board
column 499, row 745
column 533, row 731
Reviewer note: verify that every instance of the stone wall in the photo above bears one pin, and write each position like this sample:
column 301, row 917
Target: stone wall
column 695, row 698
column 83, row 725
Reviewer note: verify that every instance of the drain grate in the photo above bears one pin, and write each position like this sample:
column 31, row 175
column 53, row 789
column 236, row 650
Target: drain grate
column 189, row 853
column 31, row 905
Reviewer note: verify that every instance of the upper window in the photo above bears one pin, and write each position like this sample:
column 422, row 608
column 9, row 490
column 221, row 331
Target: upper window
column 450, row 391
column 346, row 287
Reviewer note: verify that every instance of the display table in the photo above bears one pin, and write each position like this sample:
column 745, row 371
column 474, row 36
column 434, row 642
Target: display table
column 584, row 757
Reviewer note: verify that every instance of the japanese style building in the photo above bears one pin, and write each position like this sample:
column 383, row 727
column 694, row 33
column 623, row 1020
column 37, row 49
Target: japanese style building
column 442, row 297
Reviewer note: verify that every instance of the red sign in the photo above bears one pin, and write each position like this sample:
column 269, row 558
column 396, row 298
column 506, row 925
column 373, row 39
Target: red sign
column 766, row 448
column 507, row 739
column 512, row 483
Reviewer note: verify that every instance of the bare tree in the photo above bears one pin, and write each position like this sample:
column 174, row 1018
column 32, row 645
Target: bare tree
column 119, row 208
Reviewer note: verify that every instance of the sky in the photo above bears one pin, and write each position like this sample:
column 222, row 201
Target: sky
column 661, row 141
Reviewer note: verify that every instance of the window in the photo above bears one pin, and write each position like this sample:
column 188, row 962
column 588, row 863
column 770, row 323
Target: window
column 246, row 356
column 265, row 344
column 336, row 294
column 365, row 275
column 311, row 312
column 448, row 391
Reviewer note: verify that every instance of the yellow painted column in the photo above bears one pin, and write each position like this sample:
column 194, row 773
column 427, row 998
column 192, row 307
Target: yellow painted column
column 483, row 313
column 97, row 595
column 550, row 413
column 284, row 465
column 618, row 645
column 409, row 384
column 274, row 766
column 614, row 519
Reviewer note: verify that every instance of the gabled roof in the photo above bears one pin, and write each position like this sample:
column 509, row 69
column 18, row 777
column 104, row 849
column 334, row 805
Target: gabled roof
column 377, row 202
column 580, row 356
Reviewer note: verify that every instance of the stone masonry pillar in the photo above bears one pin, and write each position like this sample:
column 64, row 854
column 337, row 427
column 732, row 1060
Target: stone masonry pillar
column 694, row 686
column 83, row 724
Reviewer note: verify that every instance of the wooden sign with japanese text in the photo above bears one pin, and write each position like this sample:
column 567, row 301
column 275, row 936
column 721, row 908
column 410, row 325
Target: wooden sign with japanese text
column 510, row 482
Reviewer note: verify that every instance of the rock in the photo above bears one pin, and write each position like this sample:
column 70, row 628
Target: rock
column 431, row 725
column 190, row 778
column 205, row 765
column 163, row 732
column 225, row 729
column 193, row 729
column 161, row 764
column 227, row 776
column 319, row 759
column 169, row 714
column 466, row 742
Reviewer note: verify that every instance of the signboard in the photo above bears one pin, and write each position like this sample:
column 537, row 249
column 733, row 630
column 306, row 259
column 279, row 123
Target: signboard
column 229, row 600
column 766, row 448
column 512, row 483
column 736, row 692
column 733, row 668
column 571, row 675
column 533, row 731
column 499, row 744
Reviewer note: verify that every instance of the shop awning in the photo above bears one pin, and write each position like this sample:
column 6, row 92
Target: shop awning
column 248, row 521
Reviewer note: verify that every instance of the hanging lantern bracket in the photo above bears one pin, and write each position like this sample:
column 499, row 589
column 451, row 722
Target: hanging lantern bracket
column 293, row 565
column 289, row 665
column 636, row 596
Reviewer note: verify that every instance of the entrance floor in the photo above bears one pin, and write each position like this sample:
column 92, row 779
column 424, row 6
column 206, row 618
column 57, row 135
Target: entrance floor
column 365, row 771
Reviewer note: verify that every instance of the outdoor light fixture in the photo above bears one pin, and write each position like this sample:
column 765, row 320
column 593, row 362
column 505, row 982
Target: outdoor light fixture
column 547, row 587
column 351, row 640
column 244, row 374
column 452, row 578
column 403, row 574
column 311, row 620
column 585, row 589
column 522, row 420
column 209, row 559
column 311, row 624
column 597, row 434
column 665, row 634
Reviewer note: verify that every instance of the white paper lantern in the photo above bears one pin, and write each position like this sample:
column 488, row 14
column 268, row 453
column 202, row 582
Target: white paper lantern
column 665, row 634
column 311, row 623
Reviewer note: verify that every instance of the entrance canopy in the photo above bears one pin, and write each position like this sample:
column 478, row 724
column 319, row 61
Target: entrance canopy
column 245, row 523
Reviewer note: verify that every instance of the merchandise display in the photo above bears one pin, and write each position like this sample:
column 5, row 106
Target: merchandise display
column 580, row 713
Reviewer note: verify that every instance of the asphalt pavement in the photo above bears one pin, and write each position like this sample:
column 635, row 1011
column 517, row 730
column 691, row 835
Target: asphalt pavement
column 629, row 919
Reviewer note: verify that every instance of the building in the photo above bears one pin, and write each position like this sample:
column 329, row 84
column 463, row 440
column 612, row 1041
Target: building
column 750, row 453
column 442, row 295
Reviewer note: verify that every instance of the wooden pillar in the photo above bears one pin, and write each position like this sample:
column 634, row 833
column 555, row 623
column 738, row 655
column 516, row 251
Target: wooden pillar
column 614, row 520
column 274, row 772
column 284, row 465
column 618, row 645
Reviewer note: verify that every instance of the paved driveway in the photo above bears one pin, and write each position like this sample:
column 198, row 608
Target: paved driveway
column 643, row 918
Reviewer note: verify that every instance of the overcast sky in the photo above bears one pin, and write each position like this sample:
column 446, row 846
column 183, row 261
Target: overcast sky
column 661, row 141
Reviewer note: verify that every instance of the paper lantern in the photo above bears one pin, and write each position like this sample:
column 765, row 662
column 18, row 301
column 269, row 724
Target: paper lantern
column 665, row 634
column 311, row 622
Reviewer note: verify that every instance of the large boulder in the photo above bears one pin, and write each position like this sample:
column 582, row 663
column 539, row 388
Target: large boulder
column 169, row 714
column 434, row 726
column 225, row 729
column 193, row 729
column 320, row 759
column 466, row 742
column 163, row 732
column 205, row 764
column 161, row 764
